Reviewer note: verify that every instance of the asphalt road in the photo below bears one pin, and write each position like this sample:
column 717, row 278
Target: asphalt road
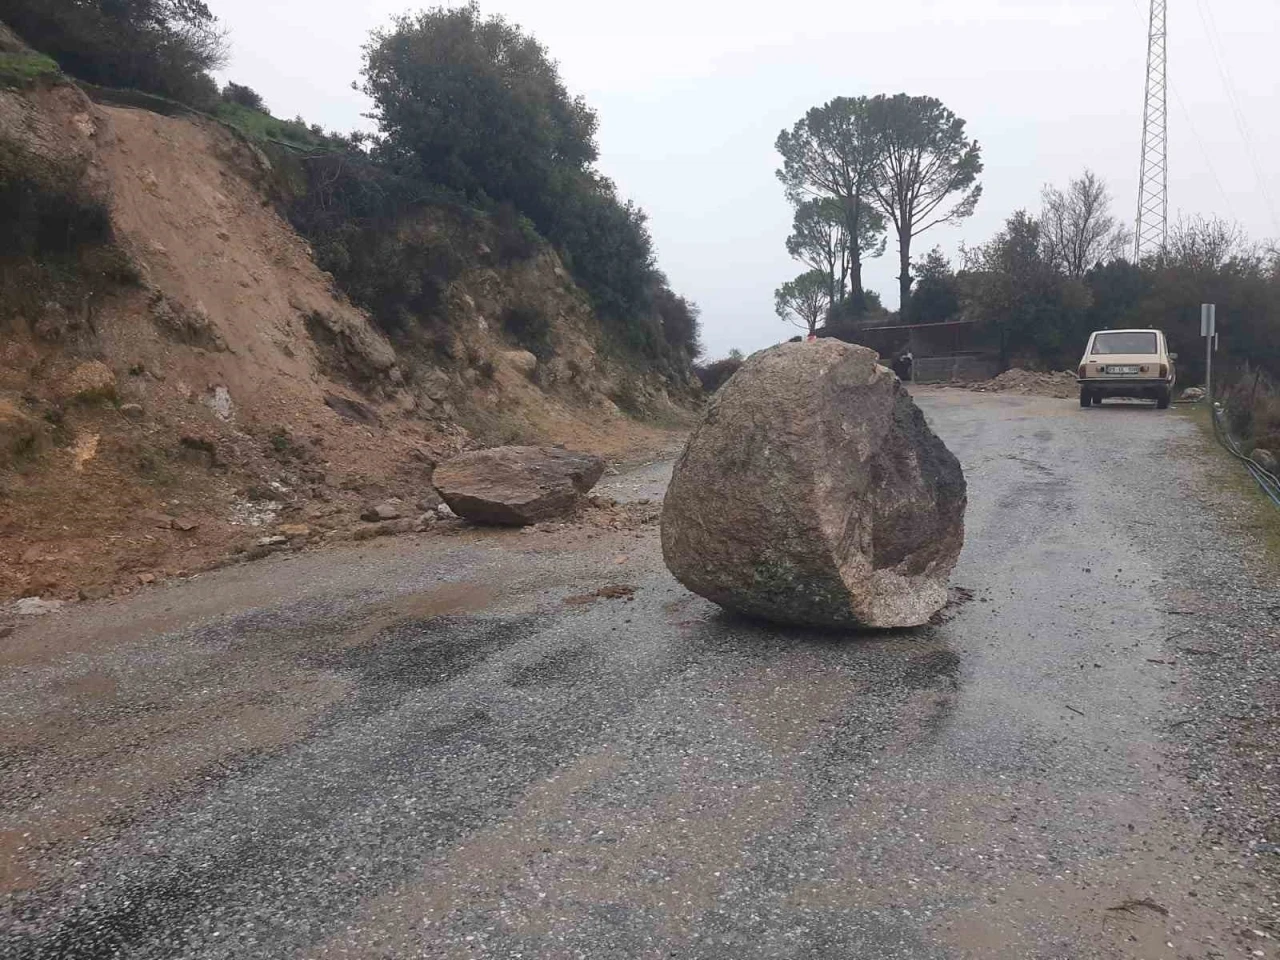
column 448, row 747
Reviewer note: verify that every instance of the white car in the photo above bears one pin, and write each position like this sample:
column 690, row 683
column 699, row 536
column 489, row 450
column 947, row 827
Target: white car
column 1127, row 363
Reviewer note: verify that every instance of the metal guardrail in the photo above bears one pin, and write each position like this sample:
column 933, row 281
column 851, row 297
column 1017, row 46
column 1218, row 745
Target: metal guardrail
column 1265, row 479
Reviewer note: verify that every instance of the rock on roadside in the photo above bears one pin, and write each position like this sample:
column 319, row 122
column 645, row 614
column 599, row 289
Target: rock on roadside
column 813, row 492
column 516, row 486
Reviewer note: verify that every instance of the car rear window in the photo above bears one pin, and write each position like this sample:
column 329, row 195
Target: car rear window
column 1124, row 343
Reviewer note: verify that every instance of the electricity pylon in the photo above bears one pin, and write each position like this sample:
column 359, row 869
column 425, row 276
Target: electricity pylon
column 1153, row 178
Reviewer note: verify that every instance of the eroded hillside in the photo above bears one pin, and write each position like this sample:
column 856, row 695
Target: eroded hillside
column 183, row 380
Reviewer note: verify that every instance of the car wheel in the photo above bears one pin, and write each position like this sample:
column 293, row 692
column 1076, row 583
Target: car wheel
column 1086, row 398
column 1162, row 400
column 1097, row 399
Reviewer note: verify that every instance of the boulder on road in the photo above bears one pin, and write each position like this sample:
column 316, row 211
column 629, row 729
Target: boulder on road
column 516, row 486
column 814, row 493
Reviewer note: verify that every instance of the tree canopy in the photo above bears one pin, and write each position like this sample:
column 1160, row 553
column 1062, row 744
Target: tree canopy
column 926, row 170
column 803, row 302
column 828, row 161
column 475, row 105
column 936, row 296
column 1077, row 228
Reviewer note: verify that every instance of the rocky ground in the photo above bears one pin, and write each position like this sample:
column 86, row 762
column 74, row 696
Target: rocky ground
column 535, row 743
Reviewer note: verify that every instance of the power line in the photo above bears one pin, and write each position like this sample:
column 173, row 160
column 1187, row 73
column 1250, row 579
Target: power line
column 1233, row 97
column 1195, row 133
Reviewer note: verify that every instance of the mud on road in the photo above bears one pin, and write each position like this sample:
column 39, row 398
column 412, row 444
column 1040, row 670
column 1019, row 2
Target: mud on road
column 419, row 748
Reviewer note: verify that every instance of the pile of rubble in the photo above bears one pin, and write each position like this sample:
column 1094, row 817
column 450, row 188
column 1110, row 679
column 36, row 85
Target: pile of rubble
column 1030, row 383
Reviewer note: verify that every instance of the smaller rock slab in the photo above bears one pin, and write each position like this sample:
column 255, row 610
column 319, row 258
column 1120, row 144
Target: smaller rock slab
column 516, row 485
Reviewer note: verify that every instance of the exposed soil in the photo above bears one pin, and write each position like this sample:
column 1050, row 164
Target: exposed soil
column 232, row 393
column 1029, row 383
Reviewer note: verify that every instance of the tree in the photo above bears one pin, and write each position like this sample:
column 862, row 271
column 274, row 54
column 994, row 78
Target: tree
column 819, row 241
column 830, row 155
column 1208, row 244
column 1009, row 285
column 478, row 106
column 1077, row 228
column 803, row 302
column 937, row 295
column 926, row 170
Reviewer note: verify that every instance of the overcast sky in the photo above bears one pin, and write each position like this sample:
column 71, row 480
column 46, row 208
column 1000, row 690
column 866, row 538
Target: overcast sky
column 692, row 93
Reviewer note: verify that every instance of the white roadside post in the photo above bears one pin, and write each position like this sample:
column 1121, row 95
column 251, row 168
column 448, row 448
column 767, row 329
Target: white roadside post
column 1208, row 330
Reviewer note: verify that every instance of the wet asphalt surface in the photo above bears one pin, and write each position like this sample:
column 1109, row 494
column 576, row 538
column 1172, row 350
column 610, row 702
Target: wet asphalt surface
column 448, row 746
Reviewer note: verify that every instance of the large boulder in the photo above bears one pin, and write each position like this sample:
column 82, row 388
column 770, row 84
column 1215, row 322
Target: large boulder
column 813, row 492
column 515, row 486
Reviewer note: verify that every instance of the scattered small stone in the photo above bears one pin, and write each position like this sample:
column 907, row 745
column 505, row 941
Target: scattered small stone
column 273, row 541
column 445, row 512
column 131, row 411
column 386, row 528
column 35, row 607
column 382, row 511
column 294, row 530
column 185, row 524
column 146, row 578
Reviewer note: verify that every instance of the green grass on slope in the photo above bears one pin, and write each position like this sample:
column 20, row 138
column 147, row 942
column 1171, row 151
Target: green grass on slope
column 262, row 126
column 24, row 69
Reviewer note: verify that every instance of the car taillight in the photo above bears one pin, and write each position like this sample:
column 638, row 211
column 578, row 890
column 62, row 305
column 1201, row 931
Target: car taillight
column 1164, row 370
column 1082, row 371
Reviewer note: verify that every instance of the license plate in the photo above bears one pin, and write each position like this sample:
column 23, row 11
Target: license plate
column 1122, row 369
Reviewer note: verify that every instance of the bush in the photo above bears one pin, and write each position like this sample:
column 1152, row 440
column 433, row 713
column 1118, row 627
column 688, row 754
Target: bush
column 714, row 375
column 243, row 96
column 45, row 211
column 528, row 326
column 164, row 47
column 680, row 321
column 57, row 243
column 359, row 219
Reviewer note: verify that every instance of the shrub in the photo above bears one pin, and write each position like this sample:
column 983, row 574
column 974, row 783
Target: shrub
column 160, row 46
column 45, row 210
column 715, row 374
column 680, row 321
column 528, row 326
column 243, row 96
column 56, row 247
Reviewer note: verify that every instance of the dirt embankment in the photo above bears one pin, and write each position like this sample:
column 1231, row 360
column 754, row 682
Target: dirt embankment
column 219, row 391
column 1029, row 383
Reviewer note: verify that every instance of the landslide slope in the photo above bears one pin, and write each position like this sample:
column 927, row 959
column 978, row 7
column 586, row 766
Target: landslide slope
column 180, row 380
